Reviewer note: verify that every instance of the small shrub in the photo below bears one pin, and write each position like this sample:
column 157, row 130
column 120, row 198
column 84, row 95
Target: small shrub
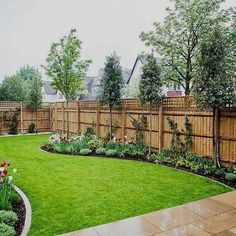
column 8, row 217
column 113, row 145
column 111, row 153
column 95, row 143
column 85, row 152
column 230, row 177
column 14, row 123
column 89, row 131
column 31, row 128
column 100, row 151
column 6, row 230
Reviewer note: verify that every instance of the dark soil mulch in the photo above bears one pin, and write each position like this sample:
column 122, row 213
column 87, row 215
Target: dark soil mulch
column 19, row 209
column 213, row 177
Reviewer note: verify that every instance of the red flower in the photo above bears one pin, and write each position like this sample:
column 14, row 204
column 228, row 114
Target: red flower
column 4, row 172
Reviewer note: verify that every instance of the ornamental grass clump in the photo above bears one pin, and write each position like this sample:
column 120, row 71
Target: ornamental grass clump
column 8, row 217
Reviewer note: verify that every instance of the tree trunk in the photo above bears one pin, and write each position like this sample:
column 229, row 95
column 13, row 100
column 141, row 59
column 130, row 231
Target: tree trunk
column 187, row 88
column 110, row 122
column 36, row 123
column 216, row 141
column 150, row 130
column 67, row 119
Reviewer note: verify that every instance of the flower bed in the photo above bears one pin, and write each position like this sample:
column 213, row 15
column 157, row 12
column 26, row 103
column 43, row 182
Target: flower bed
column 12, row 209
column 92, row 145
column 197, row 164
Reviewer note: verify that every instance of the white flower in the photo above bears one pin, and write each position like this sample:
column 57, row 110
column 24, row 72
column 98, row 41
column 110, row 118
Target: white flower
column 14, row 170
column 10, row 178
column 1, row 169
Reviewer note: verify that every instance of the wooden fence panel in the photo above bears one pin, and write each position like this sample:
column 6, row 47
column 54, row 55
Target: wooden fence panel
column 85, row 114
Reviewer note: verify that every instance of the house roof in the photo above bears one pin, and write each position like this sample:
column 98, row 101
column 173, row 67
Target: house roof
column 143, row 60
column 90, row 85
column 49, row 90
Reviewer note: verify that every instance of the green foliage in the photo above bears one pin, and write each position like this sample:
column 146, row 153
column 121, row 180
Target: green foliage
column 111, row 153
column 8, row 218
column 100, row 151
column 109, row 90
column 7, row 230
column 139, row 125
column 95, row 143
column 111, row 85
column 179, row 147
column 28, row 73
column 14, row 123
column 178, row 38
column 31, row 128
column 13, row 88
column 66, row 68
column 89, row 131
column 150, row 85
column 34, row 97
column 85, row 152
column 137, row 150
column 230, row 177
column 112, row 145
column 6, row 190
column 215, row 85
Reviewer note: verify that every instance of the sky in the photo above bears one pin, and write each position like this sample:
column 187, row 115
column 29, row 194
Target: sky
column 29, row 27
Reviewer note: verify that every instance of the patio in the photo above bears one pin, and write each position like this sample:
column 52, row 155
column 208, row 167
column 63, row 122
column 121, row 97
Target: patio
column 212, row 216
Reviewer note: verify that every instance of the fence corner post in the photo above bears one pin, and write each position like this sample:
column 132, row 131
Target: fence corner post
column 160, row 124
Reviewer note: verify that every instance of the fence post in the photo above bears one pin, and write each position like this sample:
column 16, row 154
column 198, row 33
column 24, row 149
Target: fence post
column 78, row 117
column 21, row 117
column 55, row 118
column 63, row 118
column 160, row 119
column 123, row 119
column 98, row 120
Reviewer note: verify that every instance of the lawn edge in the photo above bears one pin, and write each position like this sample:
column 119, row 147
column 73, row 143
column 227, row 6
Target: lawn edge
column 28, row 209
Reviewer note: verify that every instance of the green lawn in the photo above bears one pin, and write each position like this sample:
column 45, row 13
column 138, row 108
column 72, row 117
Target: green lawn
column 69, row 193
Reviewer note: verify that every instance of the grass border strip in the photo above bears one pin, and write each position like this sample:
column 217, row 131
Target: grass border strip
column 28, row 209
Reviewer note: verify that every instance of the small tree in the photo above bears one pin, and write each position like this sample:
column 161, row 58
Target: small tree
column 214, row 86
column 150, row 87
column 67, row 69
column 34, row 98
column 109, row 89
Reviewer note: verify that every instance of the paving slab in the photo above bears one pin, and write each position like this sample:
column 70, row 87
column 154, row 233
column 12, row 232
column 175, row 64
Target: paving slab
column 212, row 216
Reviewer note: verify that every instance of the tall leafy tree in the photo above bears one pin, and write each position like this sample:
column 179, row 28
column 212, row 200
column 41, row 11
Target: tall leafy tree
column 13, row 88
column 150, row 88
column 34, row 98
column 28, row 73
column 178, row 38
column 111, row 84
column 67, row 69
column 215, row 86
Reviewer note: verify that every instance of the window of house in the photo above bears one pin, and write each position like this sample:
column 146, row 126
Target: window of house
column 174, row 87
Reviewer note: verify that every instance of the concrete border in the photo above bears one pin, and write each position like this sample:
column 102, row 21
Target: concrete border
column 28, row 214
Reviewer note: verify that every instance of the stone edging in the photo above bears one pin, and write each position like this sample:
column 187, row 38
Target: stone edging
column 28, row 214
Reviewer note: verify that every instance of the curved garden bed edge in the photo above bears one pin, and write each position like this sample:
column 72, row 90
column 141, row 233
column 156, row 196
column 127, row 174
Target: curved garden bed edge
column 28, row 213
column 212, row 178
